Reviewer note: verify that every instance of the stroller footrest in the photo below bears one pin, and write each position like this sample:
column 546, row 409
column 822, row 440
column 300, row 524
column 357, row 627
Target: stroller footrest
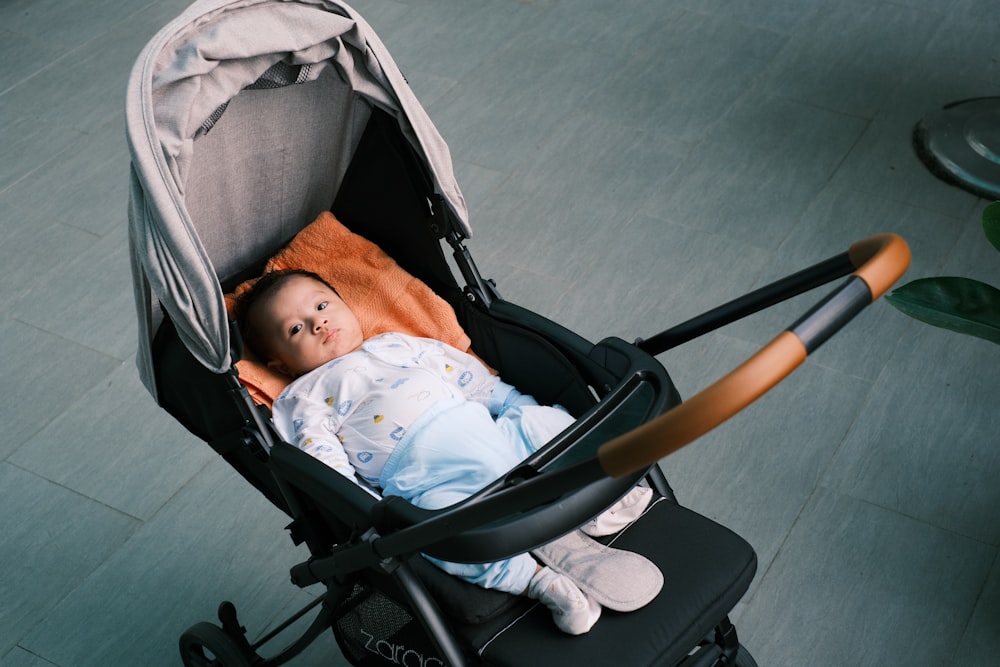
column 706, row 570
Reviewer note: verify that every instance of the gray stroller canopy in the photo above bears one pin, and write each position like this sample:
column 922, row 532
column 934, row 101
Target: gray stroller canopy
column 189, row 227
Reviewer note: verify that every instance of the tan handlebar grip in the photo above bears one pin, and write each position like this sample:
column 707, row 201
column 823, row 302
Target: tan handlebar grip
column 879, row 260
column 647, row 444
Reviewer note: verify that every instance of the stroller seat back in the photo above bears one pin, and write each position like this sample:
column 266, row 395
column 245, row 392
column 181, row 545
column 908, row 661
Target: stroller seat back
column 248, row 198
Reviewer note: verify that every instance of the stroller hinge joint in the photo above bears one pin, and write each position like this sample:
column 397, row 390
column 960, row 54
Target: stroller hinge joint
column 437, row 222
column 477, row 290
column 727, row 640
column 344, row 560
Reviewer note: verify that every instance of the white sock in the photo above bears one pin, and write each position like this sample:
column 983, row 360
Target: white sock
column 621, row 514
column 573, row 612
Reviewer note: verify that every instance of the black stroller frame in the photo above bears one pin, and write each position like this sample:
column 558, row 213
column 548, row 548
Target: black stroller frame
column 385, row 603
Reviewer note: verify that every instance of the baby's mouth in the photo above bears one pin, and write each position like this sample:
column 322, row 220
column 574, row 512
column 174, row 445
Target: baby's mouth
column 330, row 335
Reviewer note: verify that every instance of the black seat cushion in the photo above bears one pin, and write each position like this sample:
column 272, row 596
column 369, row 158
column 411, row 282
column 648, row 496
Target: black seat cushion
column 706, row 569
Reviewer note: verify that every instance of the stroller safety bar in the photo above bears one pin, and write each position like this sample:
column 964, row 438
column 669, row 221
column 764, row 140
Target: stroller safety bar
column 879, row 262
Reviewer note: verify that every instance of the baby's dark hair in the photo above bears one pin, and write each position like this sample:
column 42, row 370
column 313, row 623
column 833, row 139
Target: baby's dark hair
column 266, row 285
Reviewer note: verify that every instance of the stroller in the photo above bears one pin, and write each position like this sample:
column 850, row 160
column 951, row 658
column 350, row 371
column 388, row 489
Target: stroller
column 247, row 119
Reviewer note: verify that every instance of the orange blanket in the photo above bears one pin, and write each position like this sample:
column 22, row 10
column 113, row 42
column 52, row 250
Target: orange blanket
column 382, row 295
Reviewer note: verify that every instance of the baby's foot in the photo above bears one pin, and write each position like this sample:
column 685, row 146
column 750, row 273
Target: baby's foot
column 573, row 612
column 621, row 514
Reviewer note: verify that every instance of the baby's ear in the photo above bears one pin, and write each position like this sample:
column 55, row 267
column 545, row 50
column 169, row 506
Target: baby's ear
column 279, row 367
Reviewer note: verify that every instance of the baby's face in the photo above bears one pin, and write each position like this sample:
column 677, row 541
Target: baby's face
column 305, row 324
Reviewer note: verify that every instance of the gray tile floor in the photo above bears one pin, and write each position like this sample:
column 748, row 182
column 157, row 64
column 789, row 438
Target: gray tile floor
column 628, row 165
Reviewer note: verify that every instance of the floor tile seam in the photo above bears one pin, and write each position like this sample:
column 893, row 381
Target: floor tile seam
column 44, row 68
column 822, row 13
column 756, row 85
column 909, row 67
column 772, row 68
column 117, row 510
column 18, row 33
column 924, row 522
column 706, row 140
column 42, row 425
column 763, row 574
column 28, row 438
column 182, row 488
column 91, row 232
column 849, row 428
column 13, row 204
column 701, row 11
column 832, row 176
column 19, row 82
column 690, row 143
column 507, row 176
column 819, row 107
column 943, row 70
column 873, row 383
column 976, row 219
column 765, row 62
column 573, row 285
column 890, row 196
column 84, row 577
column 25, row 175
column 959, row 218
column 772, row 248
column 55, row 603
column 940, row 13
column 846, row 373
column 69, row 54
column 776, row 61
column 753, row 91
column 37, row 168
column 967, row 626
column 874, row 191
column 32, row 653
column 924, row 53
column 750, row 89
column 110, row 357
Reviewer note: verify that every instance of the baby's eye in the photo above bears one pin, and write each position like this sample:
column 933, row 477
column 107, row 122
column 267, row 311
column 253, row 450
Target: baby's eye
column 295, row 329
column 322, row 306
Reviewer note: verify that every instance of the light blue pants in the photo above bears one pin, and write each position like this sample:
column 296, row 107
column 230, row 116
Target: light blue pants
column 454, row 450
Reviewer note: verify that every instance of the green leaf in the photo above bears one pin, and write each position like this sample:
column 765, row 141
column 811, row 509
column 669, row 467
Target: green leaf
column 958, row 304
column 991, row 223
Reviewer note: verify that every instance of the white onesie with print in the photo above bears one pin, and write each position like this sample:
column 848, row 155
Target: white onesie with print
column 414, row 417
column 352, row 412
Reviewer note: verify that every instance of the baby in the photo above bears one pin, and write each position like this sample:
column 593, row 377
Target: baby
column 413, row 417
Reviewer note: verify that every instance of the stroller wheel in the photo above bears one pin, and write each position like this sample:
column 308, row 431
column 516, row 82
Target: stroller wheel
column 207, row 645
